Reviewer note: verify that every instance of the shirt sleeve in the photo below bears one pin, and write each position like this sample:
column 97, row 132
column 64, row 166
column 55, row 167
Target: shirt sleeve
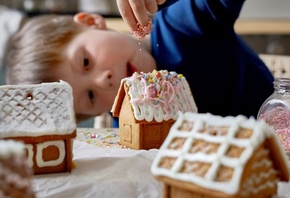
column 201, row 16
column 197, row 38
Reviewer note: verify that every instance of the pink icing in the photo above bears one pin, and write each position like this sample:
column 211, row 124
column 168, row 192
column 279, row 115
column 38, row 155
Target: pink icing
column 157, row 85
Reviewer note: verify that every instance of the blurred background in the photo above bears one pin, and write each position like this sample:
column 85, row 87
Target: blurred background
column 32, row 7
column 264, row 24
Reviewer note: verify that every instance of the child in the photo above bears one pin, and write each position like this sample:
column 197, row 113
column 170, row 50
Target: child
column 192, row 37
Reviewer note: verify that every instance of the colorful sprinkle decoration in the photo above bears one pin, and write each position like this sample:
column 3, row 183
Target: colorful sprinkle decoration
column 158, row 85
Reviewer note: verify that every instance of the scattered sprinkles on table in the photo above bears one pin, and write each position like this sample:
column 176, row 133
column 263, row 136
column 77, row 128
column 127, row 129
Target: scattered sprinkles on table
column 108, row 137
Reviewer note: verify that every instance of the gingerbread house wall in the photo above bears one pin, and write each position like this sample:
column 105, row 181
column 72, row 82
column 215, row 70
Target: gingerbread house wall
column 140, row 134
column 176, row 189
column 49, row 154
column 260, row 177
column 129, row 130
column 154, row 134
column 173, row 192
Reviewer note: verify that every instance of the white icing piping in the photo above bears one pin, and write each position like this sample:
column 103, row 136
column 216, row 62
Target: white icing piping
column 260, row 132
column 29, row 148
column 178, row 100
column 250, row 188
column 31, row 110
column 39, row 158
column 253, row 183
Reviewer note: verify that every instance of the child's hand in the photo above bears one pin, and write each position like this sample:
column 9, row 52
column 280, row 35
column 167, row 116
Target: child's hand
column 135, row 14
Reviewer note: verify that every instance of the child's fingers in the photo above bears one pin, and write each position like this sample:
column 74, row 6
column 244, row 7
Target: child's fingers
column 127, row 14
column 139, row 9
column 143, row 31
column 159, row 2
column 135, row 14
column 151, row 6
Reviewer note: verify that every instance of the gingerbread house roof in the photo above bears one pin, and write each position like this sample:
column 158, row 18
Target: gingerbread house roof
column 157, row 95
column 200, row 146
column 36, row 110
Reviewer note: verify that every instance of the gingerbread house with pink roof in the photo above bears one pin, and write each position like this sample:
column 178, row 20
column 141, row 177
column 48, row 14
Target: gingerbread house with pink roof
column 211, row 156
column 41, row 116
column 147, row 105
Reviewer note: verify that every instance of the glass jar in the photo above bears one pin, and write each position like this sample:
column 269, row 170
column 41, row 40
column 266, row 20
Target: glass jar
column 275, row 111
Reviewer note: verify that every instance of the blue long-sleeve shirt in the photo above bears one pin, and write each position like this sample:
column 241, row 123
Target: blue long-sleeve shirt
column 197, row 39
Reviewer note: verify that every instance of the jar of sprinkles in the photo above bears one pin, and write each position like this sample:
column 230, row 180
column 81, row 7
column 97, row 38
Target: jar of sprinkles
column 275, row 111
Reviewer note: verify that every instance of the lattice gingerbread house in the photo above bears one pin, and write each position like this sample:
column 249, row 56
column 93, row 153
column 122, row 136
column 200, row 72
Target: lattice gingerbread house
column 42, row 117
column 147, row 105
column 212, row 156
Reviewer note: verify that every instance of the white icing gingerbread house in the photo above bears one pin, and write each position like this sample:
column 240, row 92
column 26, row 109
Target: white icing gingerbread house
column 15, row 174
column 42, row 117
column 212, row 156
column 147, row 105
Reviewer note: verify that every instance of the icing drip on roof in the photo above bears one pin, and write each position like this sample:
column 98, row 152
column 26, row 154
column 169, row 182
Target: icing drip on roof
column 159, row 95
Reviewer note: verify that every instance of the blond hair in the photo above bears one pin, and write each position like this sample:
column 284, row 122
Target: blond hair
column 34, row 54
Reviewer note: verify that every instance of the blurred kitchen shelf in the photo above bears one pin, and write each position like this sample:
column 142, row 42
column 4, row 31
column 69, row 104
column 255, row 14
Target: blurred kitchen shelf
column 263, row 26
column 36, row 13
column 242, row 26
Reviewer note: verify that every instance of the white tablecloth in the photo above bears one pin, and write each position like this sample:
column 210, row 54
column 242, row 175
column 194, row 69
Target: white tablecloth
column 102, row 172
column 105, row 169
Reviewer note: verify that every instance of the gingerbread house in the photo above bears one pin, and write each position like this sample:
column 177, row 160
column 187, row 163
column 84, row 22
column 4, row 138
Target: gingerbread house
column 15, row 174
column 212, row 156
column 41, row 116
column 147, row 105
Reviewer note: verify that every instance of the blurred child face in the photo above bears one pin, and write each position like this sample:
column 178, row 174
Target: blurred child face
column 96, row 61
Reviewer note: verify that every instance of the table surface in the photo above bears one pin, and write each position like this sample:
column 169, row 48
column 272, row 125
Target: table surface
column 108, row 137
column 104, row 168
